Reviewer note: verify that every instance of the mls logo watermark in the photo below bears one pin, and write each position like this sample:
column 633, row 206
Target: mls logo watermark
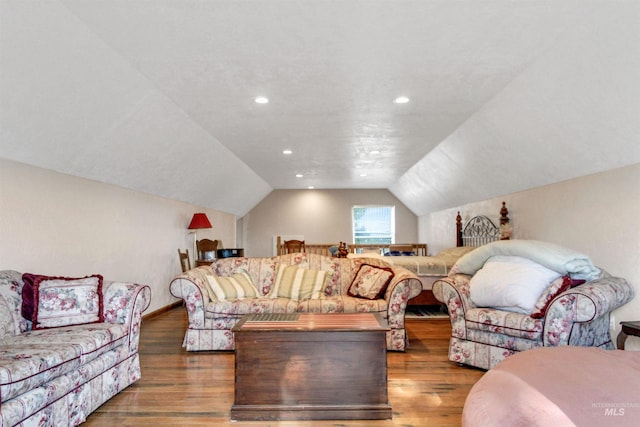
column 613, row 412
column 614, row 409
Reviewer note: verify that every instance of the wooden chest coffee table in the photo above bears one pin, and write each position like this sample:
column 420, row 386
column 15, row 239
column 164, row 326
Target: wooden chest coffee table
column 308, row 366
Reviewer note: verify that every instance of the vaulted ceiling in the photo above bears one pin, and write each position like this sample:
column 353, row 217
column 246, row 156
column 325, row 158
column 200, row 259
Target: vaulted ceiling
column 158, row 96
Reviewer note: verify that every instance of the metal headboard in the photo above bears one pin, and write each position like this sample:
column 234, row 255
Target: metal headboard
column 480, row 230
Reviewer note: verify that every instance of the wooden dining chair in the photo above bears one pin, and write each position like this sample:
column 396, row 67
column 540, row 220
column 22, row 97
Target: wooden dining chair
column 291, row 246
column 185, row 263
column 207, row 249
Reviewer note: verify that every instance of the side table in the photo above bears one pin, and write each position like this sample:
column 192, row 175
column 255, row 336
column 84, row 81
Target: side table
column 628, row 328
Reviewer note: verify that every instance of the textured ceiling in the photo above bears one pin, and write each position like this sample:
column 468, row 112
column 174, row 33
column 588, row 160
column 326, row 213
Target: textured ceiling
column 157, row 95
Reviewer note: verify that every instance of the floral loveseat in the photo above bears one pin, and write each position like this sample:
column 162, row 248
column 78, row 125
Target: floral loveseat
column 78, row 351
column 211, row 318
column 572, row 310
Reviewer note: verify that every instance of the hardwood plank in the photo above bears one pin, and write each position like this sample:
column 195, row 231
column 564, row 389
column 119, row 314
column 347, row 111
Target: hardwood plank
column 197, row 388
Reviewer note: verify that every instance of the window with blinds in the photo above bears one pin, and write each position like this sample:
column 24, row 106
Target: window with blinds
column 373, row 224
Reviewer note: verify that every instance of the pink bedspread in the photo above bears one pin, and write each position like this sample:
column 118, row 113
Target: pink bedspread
column 558, row 386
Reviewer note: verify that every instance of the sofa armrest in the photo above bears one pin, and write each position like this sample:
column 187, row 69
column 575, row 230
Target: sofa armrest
column 404, row 286
column 124, row 303
column 454, row 292
column 191, row 288
column 584, row 303
column 591, row 300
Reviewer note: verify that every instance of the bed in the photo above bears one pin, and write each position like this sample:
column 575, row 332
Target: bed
column 477, row 231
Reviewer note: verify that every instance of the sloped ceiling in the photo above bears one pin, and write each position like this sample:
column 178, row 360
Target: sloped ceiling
column 157, row 95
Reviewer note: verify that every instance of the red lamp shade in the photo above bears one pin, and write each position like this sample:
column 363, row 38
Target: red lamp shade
column 198, row 221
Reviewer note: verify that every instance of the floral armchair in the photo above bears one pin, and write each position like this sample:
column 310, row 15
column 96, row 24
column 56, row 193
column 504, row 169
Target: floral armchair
column 571, row 315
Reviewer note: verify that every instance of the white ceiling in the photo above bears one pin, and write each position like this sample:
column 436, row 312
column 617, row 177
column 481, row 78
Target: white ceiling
column 157, row 95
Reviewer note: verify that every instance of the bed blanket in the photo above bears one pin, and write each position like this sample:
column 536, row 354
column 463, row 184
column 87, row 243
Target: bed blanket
column 558, row 386
column 557, row 258
column 438, row 265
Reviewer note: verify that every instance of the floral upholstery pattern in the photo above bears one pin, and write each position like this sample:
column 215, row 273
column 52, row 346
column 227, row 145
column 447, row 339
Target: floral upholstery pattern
column 504, row 322
column 64, row 301
column 58, row 376
column 210, row 321
column 483, row 337
column 11, row 320
column 370, row 282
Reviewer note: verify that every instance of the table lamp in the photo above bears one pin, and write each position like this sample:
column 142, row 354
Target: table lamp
column 198, row 222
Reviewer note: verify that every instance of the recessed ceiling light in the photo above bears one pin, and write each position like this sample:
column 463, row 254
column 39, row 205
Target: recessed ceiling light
column 363, row 174
column 261, row 100
column 298, row 175
column 401, row 100
column 375, row 152
column 287, row 152
column 311, row 187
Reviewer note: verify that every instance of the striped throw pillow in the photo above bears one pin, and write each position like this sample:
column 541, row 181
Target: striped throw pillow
column 237, row 286
column 298, row 283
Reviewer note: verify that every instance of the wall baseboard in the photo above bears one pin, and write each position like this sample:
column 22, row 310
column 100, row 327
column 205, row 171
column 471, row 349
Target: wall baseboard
column 162, row 310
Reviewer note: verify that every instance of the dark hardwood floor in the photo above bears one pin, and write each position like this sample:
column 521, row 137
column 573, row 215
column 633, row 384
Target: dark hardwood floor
column 192, row 389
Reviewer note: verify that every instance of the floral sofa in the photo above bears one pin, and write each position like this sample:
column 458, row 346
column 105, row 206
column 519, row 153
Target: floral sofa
column 56, row 369
column 211, row 318
column 573, row 310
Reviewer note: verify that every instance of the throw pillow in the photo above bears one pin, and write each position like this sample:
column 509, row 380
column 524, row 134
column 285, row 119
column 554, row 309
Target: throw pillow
column 370, row 282
column 65, row 301
column 510, row 283
column 27, row 295
column 237, row 286
column 298, row 283
column 557, row 287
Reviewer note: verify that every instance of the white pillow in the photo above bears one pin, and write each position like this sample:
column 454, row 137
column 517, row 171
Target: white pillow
column 510, row 283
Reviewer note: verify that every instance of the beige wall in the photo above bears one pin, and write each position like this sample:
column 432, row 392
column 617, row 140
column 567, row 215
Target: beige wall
column 598, row 215
column 321, row 216
column 56, row 224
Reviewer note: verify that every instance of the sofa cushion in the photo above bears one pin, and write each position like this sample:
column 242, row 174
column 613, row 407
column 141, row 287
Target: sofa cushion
column 504, row 322
column 93, row 339
column 239, row 285
column 298, row 283
column 35, row 357
column 510, row 283
column 27, row 366
column 370, row 282
column 336, row 304
column 342, row 304
column 239, row 307
column 51, row 302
